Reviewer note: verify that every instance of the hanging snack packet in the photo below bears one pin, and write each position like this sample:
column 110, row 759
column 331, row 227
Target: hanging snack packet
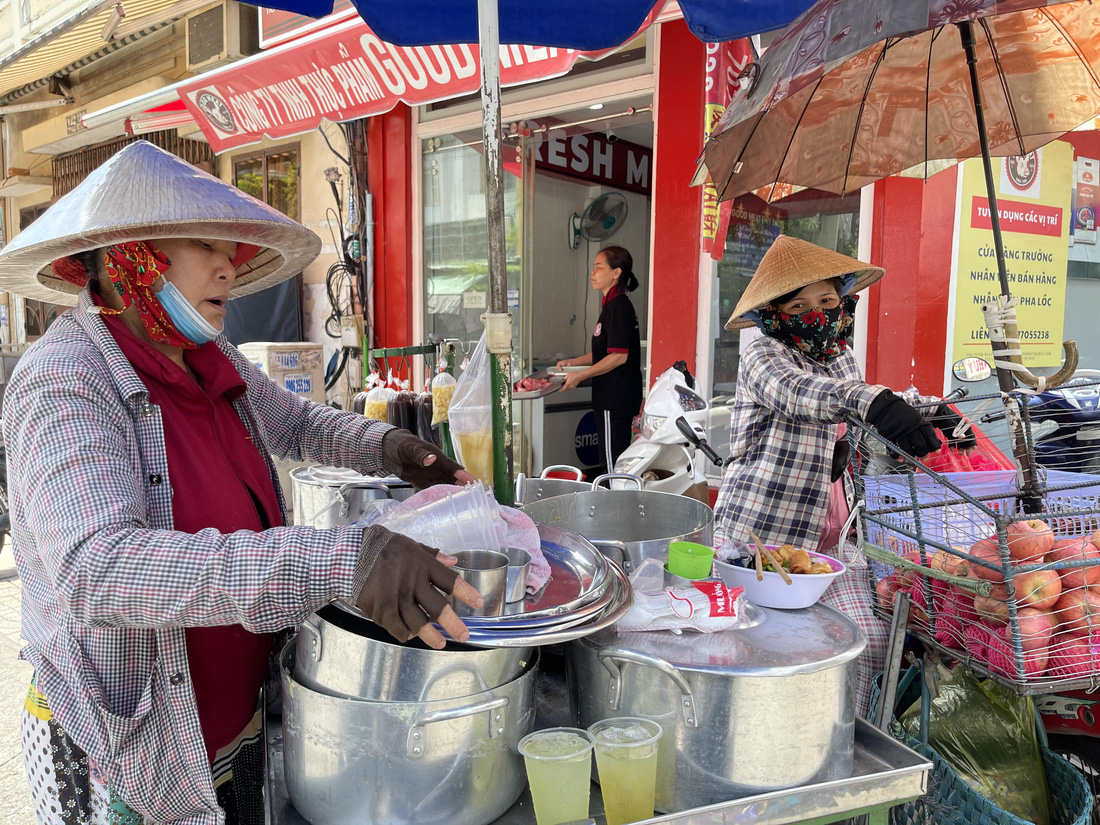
column 443, row 389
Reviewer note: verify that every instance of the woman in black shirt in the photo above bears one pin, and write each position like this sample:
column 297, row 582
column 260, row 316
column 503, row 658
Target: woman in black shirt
column 615, row 362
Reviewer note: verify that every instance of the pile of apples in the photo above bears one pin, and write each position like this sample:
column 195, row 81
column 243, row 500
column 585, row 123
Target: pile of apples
column 1058, row 611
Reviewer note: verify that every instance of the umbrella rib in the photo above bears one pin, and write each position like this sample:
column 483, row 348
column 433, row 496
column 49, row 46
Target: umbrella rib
column 859, row 115
column 741, row 154
column 1004, row 85
column 927, row 86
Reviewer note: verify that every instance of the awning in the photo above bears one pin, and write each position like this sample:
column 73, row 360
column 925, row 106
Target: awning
column 345, row 73
column 78, row 36
column 579, row 24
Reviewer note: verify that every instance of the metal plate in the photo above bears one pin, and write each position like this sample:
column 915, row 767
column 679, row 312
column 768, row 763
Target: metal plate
column 622, row 599
column 578, row 577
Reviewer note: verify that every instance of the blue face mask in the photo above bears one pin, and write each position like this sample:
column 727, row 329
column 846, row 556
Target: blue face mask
column 187, row 319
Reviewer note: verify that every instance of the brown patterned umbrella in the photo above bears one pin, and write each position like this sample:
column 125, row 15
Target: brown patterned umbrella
column 857, row 90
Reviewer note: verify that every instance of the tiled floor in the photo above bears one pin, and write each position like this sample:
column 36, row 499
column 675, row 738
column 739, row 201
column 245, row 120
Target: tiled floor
column 15, row 802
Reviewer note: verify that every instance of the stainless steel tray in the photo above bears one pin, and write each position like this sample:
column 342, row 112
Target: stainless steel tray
column 885, row 773
column 568, row 629
column 578, row 578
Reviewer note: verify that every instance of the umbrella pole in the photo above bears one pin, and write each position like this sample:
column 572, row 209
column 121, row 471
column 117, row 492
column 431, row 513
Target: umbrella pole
column 498, row 322
column 1028, row 480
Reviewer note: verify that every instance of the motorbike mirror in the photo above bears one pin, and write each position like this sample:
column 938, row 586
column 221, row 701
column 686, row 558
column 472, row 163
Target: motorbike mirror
column 972, row 370
column 686, row 429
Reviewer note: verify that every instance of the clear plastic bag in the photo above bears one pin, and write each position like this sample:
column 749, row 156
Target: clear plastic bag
column 986, row 733
column 401, row 410
column 471, row 416
column 377, row 403
column 443, row 390
column 423, row 408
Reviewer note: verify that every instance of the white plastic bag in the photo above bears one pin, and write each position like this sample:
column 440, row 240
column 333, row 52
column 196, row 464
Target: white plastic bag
column 471, row 416
column 706, row 606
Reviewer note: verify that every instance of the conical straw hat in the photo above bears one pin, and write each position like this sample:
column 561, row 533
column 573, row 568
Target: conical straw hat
column 144, row 193
column 791, row 264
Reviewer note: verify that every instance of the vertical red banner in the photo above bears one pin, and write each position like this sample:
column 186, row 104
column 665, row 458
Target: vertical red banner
column 725, row 62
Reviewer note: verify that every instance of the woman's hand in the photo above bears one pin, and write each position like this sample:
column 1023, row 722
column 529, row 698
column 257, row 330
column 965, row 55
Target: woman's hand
column 402, row 590
column 571, row 381
column 420, row 463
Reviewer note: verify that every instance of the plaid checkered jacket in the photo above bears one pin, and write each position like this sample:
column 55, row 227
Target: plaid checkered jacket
column 108, row 586
column 783, row 425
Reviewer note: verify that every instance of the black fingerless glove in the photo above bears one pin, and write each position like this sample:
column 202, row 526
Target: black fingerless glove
column 401, row 591
column 403, row 454
column 896, row 421
column 946, row 420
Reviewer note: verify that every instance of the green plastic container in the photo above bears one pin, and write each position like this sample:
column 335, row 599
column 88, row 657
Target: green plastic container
column 690, row 560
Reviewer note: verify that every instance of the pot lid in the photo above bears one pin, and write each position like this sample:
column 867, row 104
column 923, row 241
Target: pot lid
column 787, row 642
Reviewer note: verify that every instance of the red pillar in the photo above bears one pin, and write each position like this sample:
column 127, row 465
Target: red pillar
column 389, row 180
column 912, row 237
column 677, row 208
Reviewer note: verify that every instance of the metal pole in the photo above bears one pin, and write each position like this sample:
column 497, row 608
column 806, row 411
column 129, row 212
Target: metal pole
column 1029, row 483
column 498, row 323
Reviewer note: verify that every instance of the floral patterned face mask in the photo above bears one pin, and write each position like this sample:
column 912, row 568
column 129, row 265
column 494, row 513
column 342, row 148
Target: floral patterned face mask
column 821, row 334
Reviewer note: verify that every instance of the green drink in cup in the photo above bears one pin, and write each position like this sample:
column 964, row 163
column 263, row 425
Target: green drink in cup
column 559, row 770
column 626, row 757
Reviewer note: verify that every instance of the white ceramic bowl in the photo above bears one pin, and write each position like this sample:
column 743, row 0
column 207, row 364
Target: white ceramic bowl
column 804, row 590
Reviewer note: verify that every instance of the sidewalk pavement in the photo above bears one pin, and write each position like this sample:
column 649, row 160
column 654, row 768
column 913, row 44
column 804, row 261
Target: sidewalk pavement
column 15, row 799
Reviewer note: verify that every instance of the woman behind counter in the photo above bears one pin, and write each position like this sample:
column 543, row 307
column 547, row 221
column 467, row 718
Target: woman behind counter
column 615, row 362
column 147, row 519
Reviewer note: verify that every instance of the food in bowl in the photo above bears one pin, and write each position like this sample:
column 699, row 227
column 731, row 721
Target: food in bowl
column 794, row 560
column 803, row 591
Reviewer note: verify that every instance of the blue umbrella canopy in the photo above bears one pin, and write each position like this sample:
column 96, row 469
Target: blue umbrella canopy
column 575, row 24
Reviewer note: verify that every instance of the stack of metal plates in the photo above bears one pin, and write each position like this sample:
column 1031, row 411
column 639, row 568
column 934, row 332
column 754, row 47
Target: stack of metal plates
column 586, row 592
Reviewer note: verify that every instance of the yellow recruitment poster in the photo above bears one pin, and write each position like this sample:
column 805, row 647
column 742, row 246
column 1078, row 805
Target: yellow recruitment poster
column 1032, row 195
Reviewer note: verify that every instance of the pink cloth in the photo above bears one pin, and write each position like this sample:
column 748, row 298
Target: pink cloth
column 523, row 533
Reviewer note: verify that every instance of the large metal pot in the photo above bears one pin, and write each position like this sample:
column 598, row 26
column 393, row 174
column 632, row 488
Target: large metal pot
column 534, row 489
column 324, row 497
column 628, row 525
column 743, row 711
column 343, row 655
column 454, row 762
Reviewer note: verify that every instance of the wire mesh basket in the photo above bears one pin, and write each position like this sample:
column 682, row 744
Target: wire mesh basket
column 1002, row 573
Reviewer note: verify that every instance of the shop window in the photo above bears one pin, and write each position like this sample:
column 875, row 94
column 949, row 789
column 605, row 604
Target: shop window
column 272, row 177
column 828, row 220
column 39, row 314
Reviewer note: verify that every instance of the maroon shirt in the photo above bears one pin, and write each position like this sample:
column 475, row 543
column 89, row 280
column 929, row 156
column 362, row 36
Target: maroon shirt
column 220, row 481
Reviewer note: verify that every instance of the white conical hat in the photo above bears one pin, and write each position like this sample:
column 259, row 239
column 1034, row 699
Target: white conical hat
column 144, row 193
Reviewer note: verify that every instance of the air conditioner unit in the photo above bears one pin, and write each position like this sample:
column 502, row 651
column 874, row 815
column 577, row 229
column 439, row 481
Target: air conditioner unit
column 220, row 34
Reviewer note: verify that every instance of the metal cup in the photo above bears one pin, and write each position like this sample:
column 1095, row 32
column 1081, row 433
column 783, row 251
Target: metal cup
column 519, row 562
column 487, row 571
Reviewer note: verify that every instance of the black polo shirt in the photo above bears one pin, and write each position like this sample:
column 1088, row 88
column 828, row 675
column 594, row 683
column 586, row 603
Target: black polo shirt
column 618, row 391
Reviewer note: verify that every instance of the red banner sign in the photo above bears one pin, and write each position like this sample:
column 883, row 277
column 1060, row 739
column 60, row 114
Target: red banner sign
column 594, row 158
column 1026, row 218
column 348, row 73
column 725, row 61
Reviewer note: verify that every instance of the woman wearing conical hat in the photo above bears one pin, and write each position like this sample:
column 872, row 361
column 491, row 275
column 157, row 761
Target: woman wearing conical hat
column 147, row 519
column 795, row 384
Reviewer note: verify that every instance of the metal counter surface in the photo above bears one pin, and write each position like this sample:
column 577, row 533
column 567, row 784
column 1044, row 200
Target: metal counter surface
column 885, row 773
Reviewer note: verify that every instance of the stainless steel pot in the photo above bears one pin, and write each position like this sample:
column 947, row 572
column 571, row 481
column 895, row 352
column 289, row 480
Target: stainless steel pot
column 628, row 525
column 454, row 762
column 346, row 656
column 743, row 711
column 325, row 497
column 534, row 489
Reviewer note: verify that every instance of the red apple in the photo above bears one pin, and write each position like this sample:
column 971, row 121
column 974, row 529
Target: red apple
column 886, row 588
column 986, row 550
column 1078, row 611
column 949, row 563
column 1035, row 626
column 994, row 607
column 1073, row 656
column 1095, row 539
column 1076, row 549
column 1040, row 589
column 913, row 557
column 1028, row 540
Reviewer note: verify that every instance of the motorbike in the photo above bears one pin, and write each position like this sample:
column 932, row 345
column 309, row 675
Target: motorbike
column 1065, row 424
column 673, row 453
